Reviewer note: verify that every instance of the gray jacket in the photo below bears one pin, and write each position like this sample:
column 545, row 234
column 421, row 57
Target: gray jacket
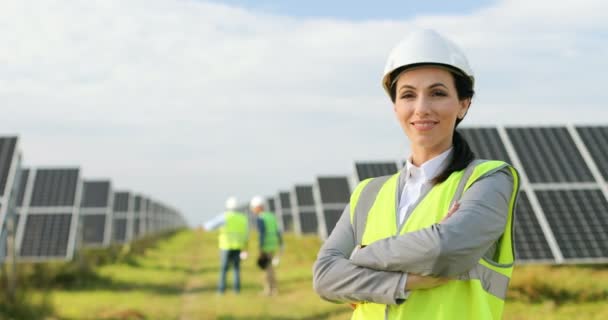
column 450, row 248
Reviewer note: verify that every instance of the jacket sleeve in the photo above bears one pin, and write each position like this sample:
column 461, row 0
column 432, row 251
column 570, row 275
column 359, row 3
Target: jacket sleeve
column 453, row 246
column 337, row 279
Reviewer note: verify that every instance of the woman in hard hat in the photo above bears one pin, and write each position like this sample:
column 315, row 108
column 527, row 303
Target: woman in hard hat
column 433, row 241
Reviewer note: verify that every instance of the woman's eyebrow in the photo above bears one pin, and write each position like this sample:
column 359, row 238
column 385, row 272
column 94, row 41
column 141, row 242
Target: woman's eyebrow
column 407, row 86
column 438, row 84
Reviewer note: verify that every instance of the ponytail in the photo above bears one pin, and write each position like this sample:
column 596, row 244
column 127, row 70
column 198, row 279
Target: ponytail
column 462, row 155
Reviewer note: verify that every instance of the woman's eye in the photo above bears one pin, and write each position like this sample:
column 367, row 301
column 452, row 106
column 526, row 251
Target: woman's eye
column 407, row 96
column 439, row 93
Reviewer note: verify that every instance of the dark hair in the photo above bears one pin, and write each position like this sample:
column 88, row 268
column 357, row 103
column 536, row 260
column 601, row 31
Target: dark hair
column 462, row 154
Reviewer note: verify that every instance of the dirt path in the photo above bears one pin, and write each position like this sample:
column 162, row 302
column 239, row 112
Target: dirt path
column 194, row 281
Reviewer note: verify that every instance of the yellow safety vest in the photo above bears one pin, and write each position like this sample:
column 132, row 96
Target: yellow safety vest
column 482, row 295
column 271, row 238
column 233, row 234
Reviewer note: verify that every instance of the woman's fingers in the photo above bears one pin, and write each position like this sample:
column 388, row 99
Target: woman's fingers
column 452, row 210
column 417, row 282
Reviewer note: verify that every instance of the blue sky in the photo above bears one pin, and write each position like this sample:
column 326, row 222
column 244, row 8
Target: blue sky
column 357, row 9
column 192, row 101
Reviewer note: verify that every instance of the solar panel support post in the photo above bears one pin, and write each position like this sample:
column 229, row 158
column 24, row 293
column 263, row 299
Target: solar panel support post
column 107, row 236
column 322, row 225
column 11, row 262
column 582, row 148
column 525, row 184
column 295, row 212
column 24, row 210
column 75, row 219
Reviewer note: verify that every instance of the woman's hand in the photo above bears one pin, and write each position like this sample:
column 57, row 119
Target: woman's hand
column 418, row 282
column 453, row 209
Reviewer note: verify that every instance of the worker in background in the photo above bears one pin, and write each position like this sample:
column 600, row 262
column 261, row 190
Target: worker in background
column 435, row 240
column 270, row 241
column 233, row 239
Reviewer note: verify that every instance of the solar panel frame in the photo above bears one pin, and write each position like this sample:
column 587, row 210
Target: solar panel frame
column 526, row 186
column 530, row 243
column 53, row 211
column 332, row 194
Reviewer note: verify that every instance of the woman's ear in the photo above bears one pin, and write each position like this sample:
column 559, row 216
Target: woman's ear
column 464, row 108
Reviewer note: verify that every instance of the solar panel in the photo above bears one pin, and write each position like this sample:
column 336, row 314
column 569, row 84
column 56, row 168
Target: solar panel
column 22, row 185
column 332, row 194
column 485, row 143
column 46, row 235
column 140, row 207
column 122, row 224
column 579, row 220
column 303, row 210
column 93, row 228
column 49, row 215
column 271, row 206
column 530, row 242
column 549, row 155
column 366, row 170
column 283, row 209
column 10, row 166
column 8, row 147
column 596, row 140
column 96, row 213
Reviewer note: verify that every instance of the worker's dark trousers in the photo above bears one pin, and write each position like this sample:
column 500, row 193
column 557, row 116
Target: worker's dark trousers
column 230, row 258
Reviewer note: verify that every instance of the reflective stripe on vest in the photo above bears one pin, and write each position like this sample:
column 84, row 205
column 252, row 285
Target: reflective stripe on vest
column 233, row 234
column 271, row 239
column 484, row 287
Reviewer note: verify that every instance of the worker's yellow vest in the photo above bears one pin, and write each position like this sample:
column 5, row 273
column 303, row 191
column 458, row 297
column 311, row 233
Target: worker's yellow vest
column 481, row 296
column 271, row 238
column 233, row 234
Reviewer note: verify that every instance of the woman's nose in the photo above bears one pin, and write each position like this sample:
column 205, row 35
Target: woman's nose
column 422, row 106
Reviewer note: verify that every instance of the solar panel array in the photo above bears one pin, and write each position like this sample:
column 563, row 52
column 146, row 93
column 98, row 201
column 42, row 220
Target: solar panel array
column 54, row 212
column 283, row 211
column 562, row 210
column 303, row 210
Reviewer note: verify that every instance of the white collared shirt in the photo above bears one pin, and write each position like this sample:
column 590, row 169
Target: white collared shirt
column 418, row 181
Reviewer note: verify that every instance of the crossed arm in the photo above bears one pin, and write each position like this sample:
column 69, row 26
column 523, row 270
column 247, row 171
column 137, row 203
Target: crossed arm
column 375, row 273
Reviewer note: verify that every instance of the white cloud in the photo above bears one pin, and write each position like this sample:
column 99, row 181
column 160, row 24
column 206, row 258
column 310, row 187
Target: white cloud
column 190, row 101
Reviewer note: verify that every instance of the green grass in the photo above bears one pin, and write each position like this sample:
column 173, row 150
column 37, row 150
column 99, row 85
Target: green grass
column 177, row 277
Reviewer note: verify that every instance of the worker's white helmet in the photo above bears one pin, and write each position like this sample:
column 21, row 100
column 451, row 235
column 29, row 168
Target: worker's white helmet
column 231, row 203
column 256, row 202
column 425, row 47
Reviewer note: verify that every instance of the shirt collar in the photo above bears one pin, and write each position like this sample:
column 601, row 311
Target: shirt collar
column 430, row 169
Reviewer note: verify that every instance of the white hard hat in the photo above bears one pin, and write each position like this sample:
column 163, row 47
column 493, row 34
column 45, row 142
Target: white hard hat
column 256, row 202
column 425, row 47
column 231, row 203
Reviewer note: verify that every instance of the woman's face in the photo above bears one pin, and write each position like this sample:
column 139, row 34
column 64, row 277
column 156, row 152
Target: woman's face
column 427, row 107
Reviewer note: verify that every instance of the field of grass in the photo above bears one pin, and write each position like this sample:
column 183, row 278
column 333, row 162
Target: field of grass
column 176, row 279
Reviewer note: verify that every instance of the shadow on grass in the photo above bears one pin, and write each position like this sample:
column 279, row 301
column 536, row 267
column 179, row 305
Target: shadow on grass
column 22, row 307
